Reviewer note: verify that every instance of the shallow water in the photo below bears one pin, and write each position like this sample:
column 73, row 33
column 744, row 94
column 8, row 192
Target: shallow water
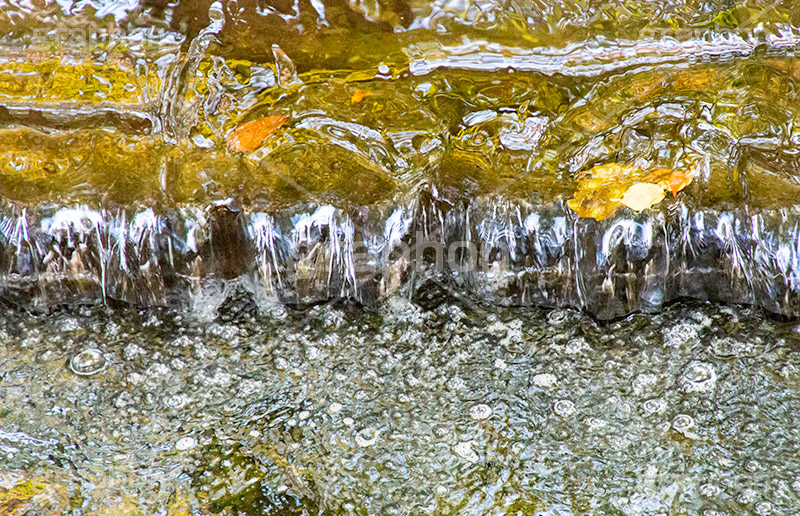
column 389, row 306
column 459, row 410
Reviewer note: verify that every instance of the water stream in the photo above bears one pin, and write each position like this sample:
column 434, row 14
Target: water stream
column 385, row 302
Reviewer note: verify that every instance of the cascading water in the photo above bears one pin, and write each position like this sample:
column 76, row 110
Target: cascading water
column 199, row 199
column 481, row 163
column 502, row 253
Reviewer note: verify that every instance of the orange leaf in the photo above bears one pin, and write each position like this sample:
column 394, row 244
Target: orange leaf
column 359, row 95
column 249, row 136
column 678, row 181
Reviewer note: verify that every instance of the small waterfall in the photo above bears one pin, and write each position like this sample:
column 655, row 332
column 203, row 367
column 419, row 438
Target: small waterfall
column 497, row 252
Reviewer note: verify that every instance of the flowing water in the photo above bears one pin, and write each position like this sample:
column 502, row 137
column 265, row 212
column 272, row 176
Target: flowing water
column 389, row 306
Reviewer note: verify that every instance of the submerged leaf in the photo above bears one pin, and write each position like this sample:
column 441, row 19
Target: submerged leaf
column 249, row 136
column 359, row 95
column 604, row 189
column 678, row 181
column 599, row 190
column 669, row 179
column 641, row 196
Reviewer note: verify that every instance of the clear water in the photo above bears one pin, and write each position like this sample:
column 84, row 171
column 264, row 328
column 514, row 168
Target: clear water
column 457, row 410
column 472, row 125
column 298, row 329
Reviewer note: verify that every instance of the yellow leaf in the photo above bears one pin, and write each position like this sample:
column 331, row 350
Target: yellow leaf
column 599, row 190
column 248, row 137
column 641, row 196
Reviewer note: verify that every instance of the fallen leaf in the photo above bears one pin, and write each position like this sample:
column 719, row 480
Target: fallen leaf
column 659, row 176
column 249, row 136
column 678, row 181
column 641, row 196
column 600, row 188
column 604, row 189
column 359, row 95
column 669, row 179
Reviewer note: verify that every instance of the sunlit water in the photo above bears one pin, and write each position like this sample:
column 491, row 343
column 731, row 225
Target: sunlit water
column 355, row 316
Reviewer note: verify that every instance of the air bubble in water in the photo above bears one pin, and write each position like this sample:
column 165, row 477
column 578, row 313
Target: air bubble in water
column 654, row 406
column 480, row 411
column 644, row 383
column 465, row 451
column 710, row 490
column 185, row 443
column 697, row 377
column 176, row 402
column 88, row 362
column 746, row 497
column 544, row 380
column 564, row 408
column 683, row 423
column 576, row 345
column 557, row 316
column 367, row 437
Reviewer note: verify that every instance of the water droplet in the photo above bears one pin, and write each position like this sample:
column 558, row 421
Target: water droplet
column 480, row 411
column 500, row 364
column 87, row 362
column 763, row 508
column 544, row 380
column 564, row 408
column 697, row 377
column 185, row 443
column 465, row 451
column 334, row 407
